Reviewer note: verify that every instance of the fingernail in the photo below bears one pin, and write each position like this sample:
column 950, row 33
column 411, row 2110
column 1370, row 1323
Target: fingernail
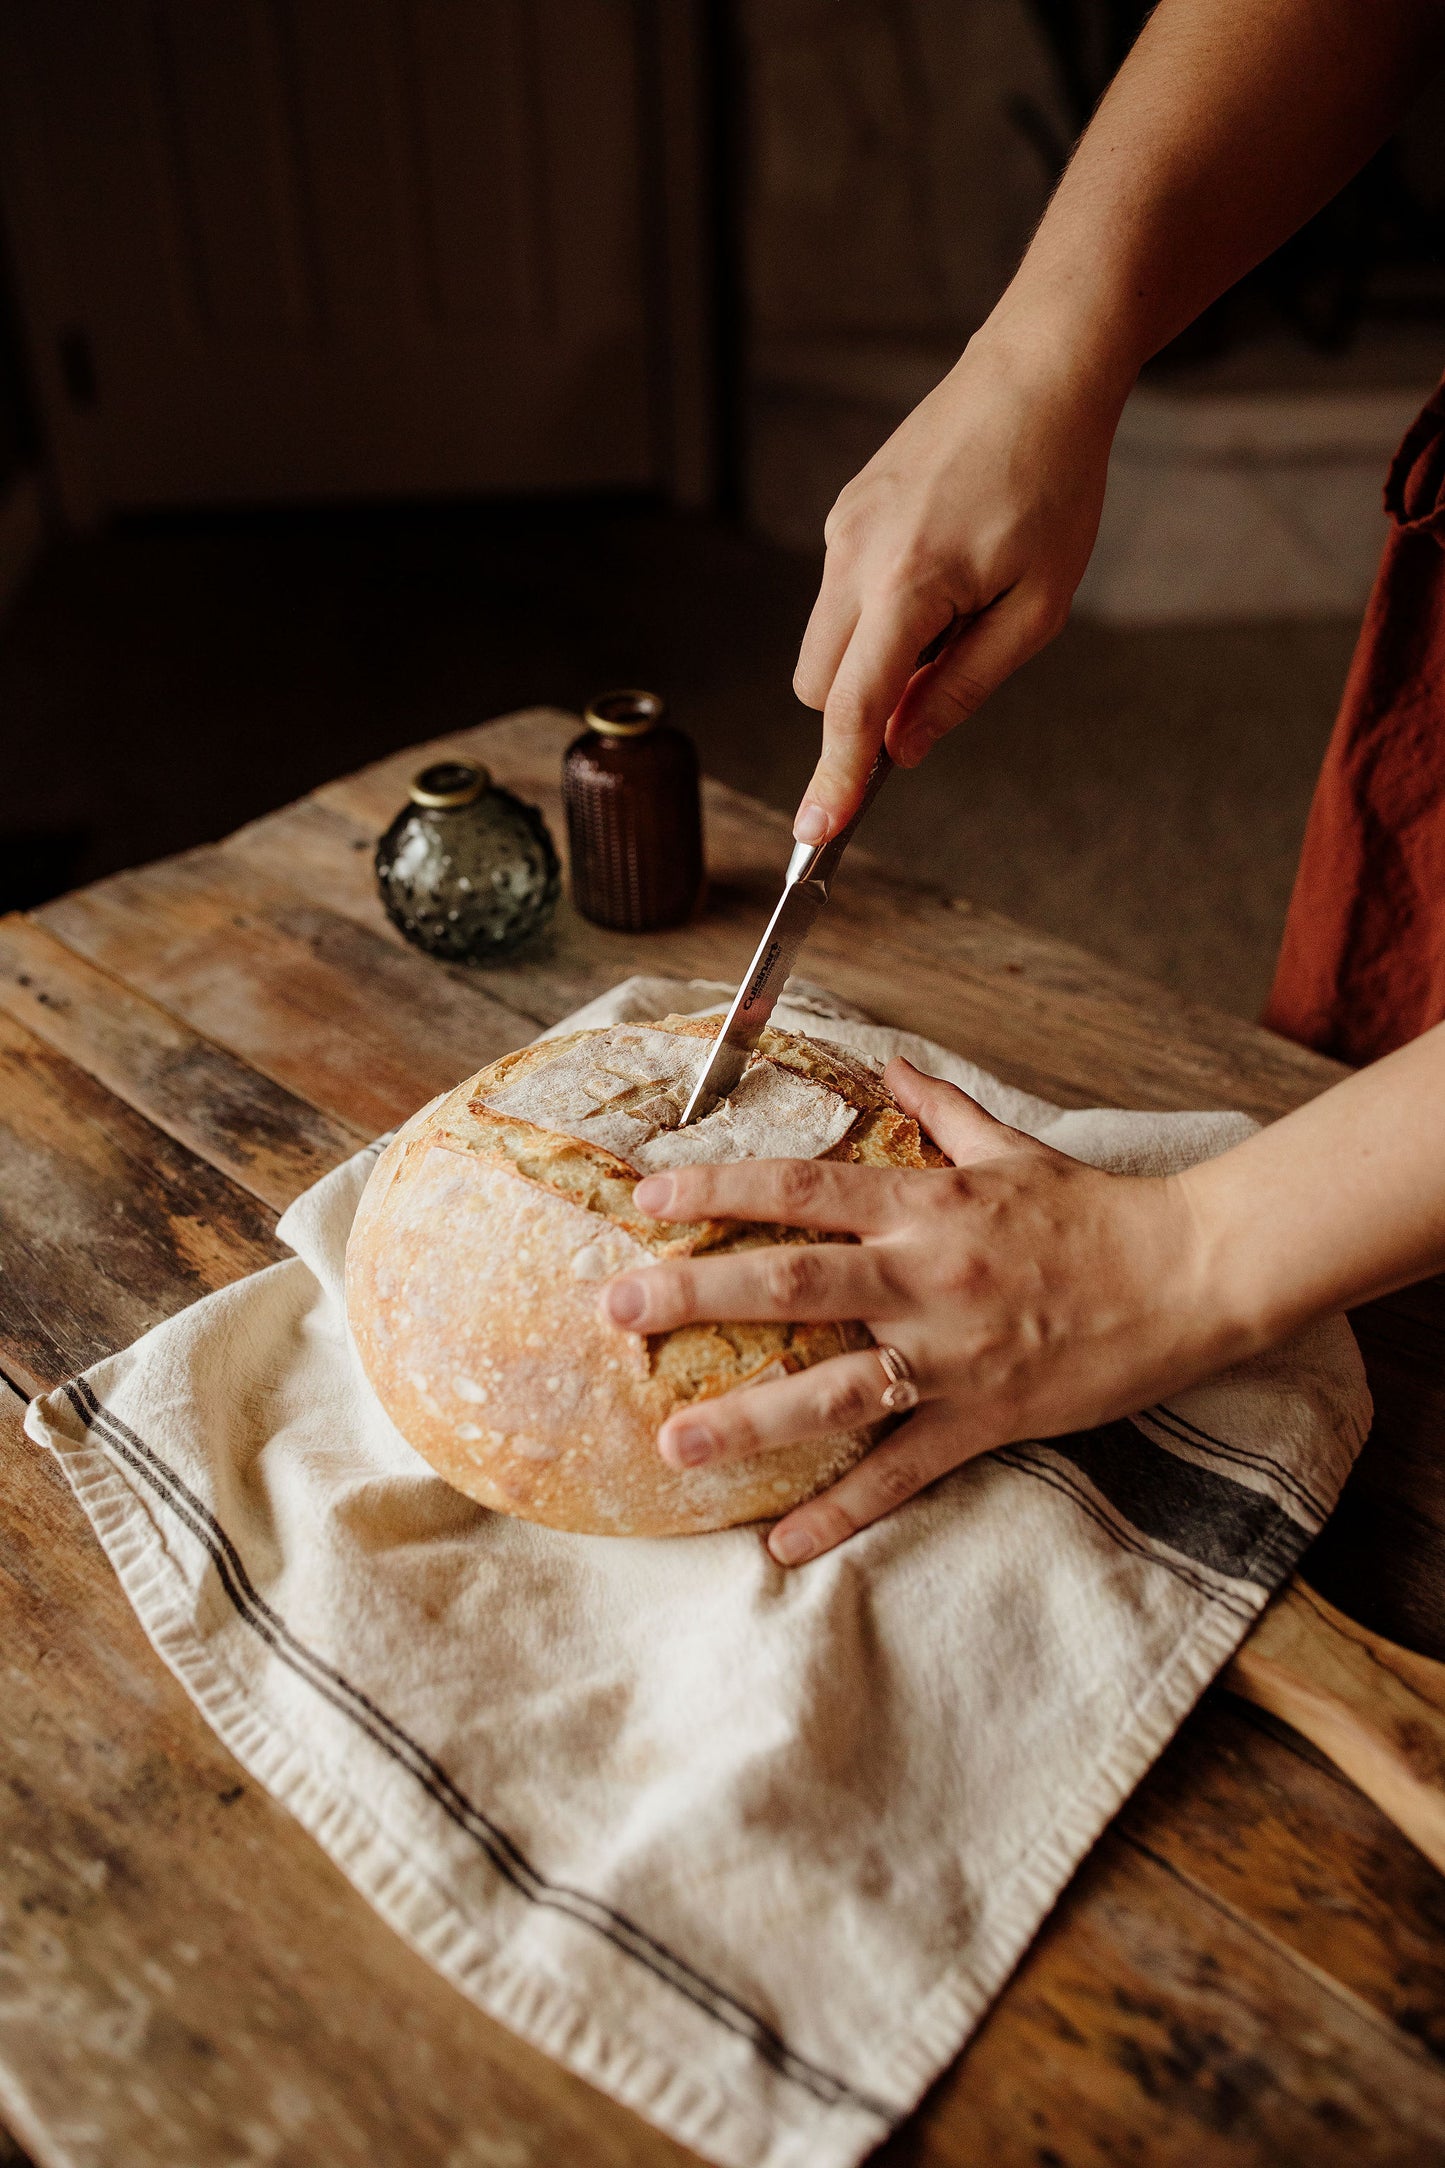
column 655, row 1194
column 811, row 825
column 624, row 1302
column 791, row 1546
column 690, row 1445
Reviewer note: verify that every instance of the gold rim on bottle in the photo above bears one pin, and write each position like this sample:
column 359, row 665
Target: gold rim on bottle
column 625, row 714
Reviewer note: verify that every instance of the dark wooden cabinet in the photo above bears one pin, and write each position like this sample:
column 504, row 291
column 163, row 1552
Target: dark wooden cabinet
column 291, row 249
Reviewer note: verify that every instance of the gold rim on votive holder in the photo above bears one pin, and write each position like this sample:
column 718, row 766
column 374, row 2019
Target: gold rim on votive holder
column 448, row 783
column 625, row 714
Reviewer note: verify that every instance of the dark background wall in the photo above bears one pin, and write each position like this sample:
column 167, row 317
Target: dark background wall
column 19, row 443
column 862, row 197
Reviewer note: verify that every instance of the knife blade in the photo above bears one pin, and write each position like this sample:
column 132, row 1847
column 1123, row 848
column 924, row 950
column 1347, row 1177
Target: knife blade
column 805, row 891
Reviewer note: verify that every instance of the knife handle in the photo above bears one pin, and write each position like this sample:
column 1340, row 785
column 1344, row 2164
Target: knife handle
column 819, row 861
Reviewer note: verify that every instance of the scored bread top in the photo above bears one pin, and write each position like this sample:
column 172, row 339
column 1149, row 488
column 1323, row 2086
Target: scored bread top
column 474, row 1304
column 587, row 1174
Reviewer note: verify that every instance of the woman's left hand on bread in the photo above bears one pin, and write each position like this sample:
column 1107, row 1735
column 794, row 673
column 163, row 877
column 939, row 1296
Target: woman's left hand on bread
column 1029, row 1294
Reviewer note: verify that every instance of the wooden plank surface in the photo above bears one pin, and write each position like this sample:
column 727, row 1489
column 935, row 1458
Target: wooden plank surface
column 1135, row 1998
column 201, row 1977
column 1250, row 1967
column 1057, row 2024
column 270, row 1141
column 1377, row 1710
column 362, row 1028
column 320, row 995
column 1043, row 1014
column 106, row 1225
column 188, row 1978
column 1241, row 1810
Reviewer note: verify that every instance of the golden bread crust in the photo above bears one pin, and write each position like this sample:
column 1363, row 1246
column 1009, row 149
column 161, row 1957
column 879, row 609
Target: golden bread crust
column 473, row 1271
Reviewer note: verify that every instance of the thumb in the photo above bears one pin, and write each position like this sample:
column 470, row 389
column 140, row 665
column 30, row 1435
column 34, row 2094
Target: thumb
column 957, row 1124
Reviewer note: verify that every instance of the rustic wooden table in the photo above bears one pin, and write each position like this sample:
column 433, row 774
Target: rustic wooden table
column 1250, row 1968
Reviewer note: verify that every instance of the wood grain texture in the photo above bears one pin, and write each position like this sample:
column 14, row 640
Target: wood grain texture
column 1246, row 1813
column 273, row 947
column 188, row 1979
column 362, row 1028
column 1037, row 1011
column 1247, row 1966
column 1376, row 1709
column 1248, row 1970
column 200, row 1979
column 106, row 1225
column 270, row 1141
column 198, row 2060
column 1147, row 2027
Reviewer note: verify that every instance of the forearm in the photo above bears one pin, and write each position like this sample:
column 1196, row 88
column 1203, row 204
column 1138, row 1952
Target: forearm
column 1228, row 126
column 1339, row 1202
column 1230, row 122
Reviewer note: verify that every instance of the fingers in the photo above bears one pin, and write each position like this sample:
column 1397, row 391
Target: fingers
column 829, row 629
column 974, row 664
column 823, row 1193
column 927, row 1446
column 842, row 1394
column 869, row 682
column 799, row 1282
column 957, row 1124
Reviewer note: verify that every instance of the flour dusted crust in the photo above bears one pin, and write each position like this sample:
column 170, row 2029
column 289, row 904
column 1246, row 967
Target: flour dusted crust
column 490, row 1223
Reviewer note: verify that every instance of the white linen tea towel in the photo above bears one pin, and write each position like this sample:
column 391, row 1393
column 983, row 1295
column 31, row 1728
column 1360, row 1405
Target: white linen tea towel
column 751, row 1850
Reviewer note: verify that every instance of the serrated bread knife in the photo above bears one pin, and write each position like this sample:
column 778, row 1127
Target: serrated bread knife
column 805, row 891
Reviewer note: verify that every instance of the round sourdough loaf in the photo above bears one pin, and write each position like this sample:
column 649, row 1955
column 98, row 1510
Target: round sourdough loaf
column 490, row 1222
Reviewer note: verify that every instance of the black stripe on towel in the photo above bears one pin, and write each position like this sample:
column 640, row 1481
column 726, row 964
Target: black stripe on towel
column 1220, row 1524
column 1178, row 1426
column 506, row 1857
column 1032, row 1460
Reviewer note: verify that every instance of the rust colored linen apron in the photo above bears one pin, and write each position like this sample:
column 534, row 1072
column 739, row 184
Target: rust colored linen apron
column 1362, row 966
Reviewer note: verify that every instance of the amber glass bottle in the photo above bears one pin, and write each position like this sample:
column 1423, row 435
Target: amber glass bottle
column 634, row 821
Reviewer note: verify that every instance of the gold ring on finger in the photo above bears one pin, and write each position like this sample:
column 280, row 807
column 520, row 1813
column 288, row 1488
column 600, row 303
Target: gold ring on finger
column 901, row 1390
